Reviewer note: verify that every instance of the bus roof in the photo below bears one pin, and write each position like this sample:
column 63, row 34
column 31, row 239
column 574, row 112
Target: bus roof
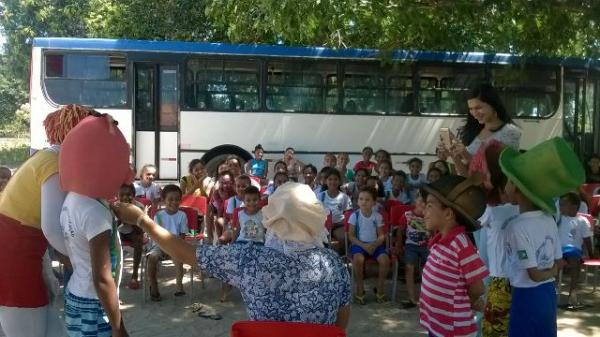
column 299, row 52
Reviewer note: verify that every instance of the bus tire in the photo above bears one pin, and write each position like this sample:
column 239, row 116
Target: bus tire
column 218, row 154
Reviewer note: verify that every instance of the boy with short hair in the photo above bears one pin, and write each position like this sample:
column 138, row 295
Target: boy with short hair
column 415, row 179
column 573, row 232
column 247, row 221
column 533, row 248
column 399, row 191
column 366, row 163
column 452, row 282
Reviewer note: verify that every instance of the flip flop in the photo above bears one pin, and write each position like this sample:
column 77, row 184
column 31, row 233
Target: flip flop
column 214, row 317
column 179, row 293
column 155, row 297
column 360, row 299
column 408, row 305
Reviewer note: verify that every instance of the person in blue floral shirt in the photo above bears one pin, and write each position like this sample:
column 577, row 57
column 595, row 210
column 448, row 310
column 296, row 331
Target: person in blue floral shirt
column 292, row 278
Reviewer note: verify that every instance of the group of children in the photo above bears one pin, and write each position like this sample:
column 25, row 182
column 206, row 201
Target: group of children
column 526, row 241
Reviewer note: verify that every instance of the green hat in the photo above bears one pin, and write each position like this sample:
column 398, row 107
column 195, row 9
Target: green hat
column 549, row 170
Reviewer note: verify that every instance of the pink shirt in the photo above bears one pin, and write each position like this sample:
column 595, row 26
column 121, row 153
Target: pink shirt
column 452, row 265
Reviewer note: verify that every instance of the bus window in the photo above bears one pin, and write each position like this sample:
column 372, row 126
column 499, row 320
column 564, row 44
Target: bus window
column 400, row 97
column 86, row 79
column 220, row 85
column 527, row 92
column 364, row 89
column 444, row 89
column 297, row 87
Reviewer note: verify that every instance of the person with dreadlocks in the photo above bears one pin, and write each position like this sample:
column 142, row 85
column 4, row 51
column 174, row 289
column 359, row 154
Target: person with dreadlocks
column 29, row 219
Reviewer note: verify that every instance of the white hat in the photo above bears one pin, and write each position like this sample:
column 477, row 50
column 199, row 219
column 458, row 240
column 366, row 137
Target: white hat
column 294, row 214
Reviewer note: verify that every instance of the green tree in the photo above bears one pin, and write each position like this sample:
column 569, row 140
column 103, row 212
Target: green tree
column 550, row 27
column 20, row 21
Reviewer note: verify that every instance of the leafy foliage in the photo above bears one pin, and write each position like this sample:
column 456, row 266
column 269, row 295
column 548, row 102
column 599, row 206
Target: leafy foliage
column 549, row 27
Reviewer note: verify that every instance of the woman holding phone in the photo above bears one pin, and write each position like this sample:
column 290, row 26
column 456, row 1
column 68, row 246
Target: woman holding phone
column 487, row 120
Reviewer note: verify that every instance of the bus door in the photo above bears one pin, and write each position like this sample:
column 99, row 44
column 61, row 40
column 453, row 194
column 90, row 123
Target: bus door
column 156, row 116
column 578, row 114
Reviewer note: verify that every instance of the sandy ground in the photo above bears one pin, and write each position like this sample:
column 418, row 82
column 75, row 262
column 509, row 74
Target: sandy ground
column 173, row 317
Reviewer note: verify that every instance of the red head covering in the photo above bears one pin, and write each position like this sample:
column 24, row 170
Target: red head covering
column 94, row 159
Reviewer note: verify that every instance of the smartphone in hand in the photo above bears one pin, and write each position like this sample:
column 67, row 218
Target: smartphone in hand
column 445, row 137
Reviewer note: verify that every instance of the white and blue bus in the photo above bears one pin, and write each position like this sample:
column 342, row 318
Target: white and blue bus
column 176, row 101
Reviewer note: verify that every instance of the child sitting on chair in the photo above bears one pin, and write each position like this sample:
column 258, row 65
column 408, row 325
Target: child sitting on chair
column 399, row 191
column 247, row 221
column 573, row 232
column 175, row 221
column 367, row 236
column 146, row 187
column 241, row 183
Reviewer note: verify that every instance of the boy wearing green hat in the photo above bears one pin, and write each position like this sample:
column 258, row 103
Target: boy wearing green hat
column 535, row 177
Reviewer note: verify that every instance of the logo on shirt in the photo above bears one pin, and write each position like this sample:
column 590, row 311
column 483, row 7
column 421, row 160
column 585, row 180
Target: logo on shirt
column 522, row 255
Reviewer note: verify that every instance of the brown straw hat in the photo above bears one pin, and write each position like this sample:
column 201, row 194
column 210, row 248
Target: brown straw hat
column 464, row 195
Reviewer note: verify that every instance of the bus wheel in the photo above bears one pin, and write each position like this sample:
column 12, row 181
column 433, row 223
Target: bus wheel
column 219, row 154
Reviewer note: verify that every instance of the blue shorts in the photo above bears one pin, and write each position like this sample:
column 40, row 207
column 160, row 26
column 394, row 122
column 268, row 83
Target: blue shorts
column 359, row 250
column 414, row 254
column 533, row 311
column 571, row 252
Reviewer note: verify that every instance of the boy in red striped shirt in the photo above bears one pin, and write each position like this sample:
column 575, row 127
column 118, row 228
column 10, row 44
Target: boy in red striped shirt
column 452, row 281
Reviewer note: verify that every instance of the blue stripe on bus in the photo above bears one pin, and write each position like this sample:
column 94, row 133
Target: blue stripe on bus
column 285, row 51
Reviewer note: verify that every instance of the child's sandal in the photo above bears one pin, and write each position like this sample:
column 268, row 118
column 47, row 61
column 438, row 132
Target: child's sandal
column 360, row 299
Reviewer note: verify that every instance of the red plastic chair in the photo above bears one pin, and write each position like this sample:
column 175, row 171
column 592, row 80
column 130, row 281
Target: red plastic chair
column 284, row 329
column 595, row 206
column 390, row 203
column 591, row 189
column 198, row 203
column 144, row 201
column 396, row 215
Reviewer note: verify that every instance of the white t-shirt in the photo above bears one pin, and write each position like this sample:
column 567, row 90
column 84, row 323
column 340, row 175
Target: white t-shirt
column 176, row 223
column 495, row 220
column 416, row 182
column 387, row 184
column 367, row 226
column 233, row 203
column 251, row 227
column 81, row 219
column 151, row 192
column 572, row 231
column 531, row 241
column 509, row 135
column 336, row 205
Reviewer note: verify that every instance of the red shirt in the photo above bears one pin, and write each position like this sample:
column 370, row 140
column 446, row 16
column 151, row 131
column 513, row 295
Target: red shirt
column 452, row 265
column 369, row 165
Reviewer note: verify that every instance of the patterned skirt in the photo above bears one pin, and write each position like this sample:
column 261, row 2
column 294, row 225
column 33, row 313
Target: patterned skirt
column 85, row 317
column 497, row 308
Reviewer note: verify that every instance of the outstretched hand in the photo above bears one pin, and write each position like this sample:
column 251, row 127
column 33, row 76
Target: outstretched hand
column 127, row 213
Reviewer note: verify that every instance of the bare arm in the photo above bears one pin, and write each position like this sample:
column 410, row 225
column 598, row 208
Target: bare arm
column 353, row 239
column 540, row 275
column 380, row 237
column 177, row 248
column 104, row 283
column 343, row 317
column 475, row 291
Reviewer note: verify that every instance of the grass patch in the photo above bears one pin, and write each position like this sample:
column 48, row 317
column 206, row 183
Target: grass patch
column 13, row 153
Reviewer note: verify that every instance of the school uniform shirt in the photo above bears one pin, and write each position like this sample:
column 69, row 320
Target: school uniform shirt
column 175, row 223
column 82, row 219
column 366, row 226
column 415, row 184
column 233, row 203
column 572, row 231
column 336, row 205
column 416, row 233
column 251, row 226
column 151, row 192
column 387, row 184
column 452, row 265
column 531, row 242
column 495, row 220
